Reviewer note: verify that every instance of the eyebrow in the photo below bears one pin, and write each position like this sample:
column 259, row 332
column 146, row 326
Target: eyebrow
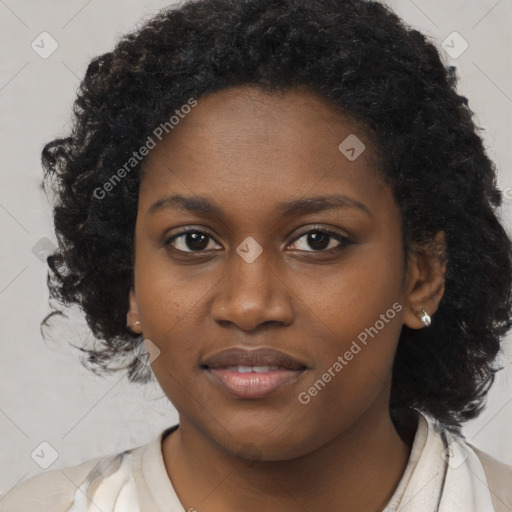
column 201, row 205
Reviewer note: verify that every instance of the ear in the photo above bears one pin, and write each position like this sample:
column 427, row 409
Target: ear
column 132, row 317
column 425, row 280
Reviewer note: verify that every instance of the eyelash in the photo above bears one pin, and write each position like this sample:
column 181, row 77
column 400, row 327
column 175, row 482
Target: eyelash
column 344, row 241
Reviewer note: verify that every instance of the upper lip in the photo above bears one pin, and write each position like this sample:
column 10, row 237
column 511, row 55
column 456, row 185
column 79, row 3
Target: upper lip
column 238, row 356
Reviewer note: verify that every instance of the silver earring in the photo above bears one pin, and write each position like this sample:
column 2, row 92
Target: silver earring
column 134, row 324
column 425, row 318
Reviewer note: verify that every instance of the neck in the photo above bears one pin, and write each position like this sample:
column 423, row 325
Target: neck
column 360, row 469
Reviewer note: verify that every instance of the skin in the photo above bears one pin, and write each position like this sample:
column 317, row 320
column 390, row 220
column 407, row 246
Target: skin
column 247, row 151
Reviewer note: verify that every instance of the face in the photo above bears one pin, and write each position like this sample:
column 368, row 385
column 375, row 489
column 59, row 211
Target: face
column 293, row 256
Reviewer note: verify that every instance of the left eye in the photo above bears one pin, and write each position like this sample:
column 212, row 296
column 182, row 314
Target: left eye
column 322, row 240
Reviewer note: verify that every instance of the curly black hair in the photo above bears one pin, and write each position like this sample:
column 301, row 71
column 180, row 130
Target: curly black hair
column 359, row 56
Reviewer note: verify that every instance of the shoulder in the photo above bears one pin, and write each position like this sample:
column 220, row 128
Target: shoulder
column 485, row 477
column 499, row 480
column 57, row 490
column 114, row 483
column 52, row 490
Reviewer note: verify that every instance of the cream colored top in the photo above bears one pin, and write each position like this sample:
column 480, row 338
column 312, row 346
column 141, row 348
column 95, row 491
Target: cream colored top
column 443, row 474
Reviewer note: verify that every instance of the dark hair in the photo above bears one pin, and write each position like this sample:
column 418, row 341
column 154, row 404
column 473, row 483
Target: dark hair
column 363, row 59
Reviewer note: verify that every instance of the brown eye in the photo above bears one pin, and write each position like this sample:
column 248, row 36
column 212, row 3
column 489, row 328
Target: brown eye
column 320, row 240
column 190, row 241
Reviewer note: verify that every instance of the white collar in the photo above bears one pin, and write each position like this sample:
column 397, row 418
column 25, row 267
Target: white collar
column 443, row 474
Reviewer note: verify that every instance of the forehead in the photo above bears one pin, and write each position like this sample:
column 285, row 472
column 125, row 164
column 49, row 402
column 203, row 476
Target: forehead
column 250, row 114
column 266, row 144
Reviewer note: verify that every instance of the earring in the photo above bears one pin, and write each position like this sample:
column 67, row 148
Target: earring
column 425, row 318
column 134, row 324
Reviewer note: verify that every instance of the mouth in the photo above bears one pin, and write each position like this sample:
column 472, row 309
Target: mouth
column 251, row 374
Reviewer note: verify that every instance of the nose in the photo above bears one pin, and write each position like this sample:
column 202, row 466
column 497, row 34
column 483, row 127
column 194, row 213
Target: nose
column 252, row 294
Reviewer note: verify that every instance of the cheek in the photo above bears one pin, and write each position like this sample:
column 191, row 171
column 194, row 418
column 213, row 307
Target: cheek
column 168, row 295
column 356, row 320
column 352, row 295
column 170, row 310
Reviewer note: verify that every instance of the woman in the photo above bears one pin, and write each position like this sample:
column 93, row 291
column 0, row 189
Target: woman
column 288, row 202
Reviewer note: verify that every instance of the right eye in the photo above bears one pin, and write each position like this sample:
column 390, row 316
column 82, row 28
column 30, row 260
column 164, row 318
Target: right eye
column 191, row 240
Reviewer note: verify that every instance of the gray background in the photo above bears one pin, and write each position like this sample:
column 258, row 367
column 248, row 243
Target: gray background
column 45, row 394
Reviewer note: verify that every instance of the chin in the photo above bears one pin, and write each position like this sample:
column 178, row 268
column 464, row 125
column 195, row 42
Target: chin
column 259, row 442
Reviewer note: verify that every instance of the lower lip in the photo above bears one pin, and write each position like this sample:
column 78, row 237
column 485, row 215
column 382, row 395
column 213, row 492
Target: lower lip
column 252, row 384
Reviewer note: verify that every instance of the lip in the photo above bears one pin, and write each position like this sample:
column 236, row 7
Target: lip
column 223, row 370
column 263, row 356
